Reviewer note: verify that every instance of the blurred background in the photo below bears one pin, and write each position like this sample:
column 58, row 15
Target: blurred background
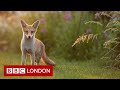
column 58, row 30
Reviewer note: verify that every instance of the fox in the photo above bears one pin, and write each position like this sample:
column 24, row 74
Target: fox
column 33, row 46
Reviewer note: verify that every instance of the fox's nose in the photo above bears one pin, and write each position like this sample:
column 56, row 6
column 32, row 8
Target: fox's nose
column 29, row 37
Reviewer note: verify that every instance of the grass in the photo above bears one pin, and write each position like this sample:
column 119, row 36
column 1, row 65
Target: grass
column 65, row 69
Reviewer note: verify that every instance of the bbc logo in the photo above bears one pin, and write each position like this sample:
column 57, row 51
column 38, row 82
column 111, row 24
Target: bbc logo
column 15, row 70
column 28, row 70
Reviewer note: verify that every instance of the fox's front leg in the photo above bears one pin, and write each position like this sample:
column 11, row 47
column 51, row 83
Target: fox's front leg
column 23, row 57
column 33, row 58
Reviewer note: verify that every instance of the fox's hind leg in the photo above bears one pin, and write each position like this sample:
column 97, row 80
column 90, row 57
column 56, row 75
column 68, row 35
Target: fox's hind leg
column 38, row 58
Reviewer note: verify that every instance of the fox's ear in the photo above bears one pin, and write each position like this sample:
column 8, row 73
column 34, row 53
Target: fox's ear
column 23, row 24
column 35, row 24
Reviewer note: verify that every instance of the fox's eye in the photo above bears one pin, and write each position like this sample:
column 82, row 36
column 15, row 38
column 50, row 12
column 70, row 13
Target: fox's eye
column 32, row 31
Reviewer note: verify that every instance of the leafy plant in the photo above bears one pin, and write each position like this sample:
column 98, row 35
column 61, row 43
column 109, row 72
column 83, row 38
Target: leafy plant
column 113, row 27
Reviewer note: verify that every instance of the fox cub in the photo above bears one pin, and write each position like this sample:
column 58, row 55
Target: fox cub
column 33, row 46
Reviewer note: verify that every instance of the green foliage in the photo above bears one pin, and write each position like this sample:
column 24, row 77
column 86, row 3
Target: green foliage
column 113, row 42
column 94, row 22
column 66, row 35
column 58, row 31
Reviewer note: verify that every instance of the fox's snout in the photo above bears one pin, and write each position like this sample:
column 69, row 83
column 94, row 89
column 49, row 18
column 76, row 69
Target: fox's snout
column 29, row 36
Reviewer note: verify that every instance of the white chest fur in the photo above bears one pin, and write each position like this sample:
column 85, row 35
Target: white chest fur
column 28, row 44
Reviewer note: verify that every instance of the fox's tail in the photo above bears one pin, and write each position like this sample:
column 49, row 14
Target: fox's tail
column 46, row 59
